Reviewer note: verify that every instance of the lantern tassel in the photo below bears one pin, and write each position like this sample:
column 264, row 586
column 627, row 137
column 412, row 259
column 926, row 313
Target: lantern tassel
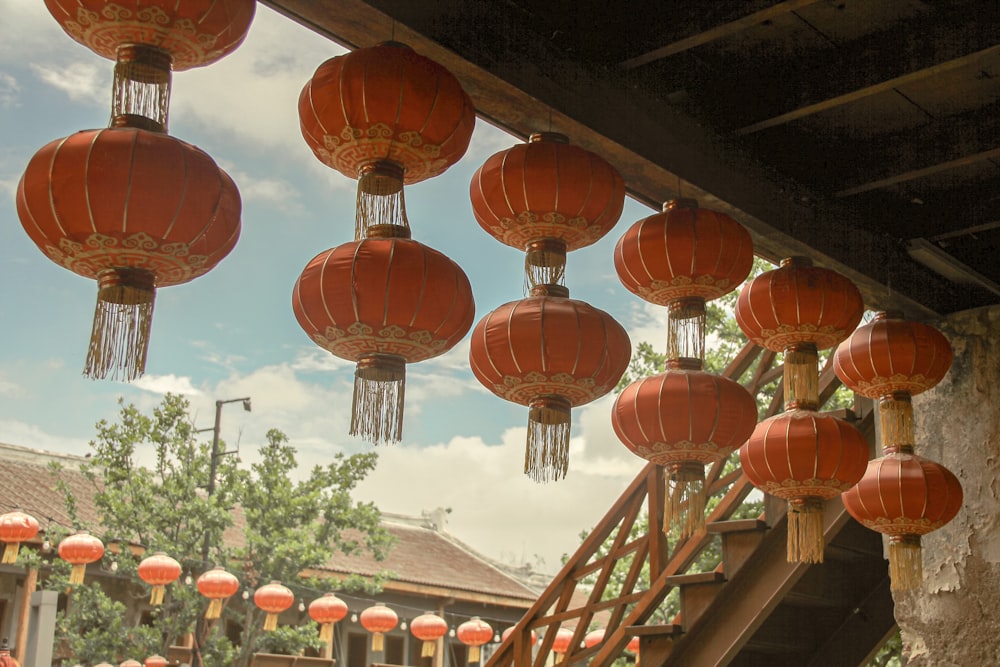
column 270, row 623
column 427, row 650
column 10, row 551
column 378, row 642
column 801, row 376
column 326, row 632
column 544, row 263
column 214, row 609
column 156, row 595
column 685, row 495
column 474, row 654
column 686, row 329
column 547, row 454
column 78, row 574
column 377, row 409
column 123, row 318
column 141, row 89
column 805, row 531
column 906, row 568
column 380, row 197
column 896, row 419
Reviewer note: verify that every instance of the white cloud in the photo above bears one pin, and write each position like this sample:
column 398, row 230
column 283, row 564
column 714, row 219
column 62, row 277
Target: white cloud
column 16, row 432
column 267, row 189
column 84, row 82
column 164, row 384
column 10, row 90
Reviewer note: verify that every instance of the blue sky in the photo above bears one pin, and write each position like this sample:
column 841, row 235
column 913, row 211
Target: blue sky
column 231, row 333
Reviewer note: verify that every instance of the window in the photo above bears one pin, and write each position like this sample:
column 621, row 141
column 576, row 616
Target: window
column 394, row 653
column 357, row 650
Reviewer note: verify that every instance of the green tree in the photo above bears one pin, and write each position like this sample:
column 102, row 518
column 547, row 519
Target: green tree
column 291, row 527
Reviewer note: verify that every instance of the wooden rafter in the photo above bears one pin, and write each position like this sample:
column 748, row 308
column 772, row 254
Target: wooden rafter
column 922, row 172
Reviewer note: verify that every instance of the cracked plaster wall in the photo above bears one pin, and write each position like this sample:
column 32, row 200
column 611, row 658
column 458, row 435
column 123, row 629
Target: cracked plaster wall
column 954, row 619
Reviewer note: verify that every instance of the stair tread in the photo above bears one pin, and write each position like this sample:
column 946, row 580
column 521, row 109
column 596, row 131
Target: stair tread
column 736, row 525
column 696, row 578
column 667, row 629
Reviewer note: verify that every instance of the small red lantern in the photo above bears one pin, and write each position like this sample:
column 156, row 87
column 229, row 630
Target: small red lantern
column 156, row 661
column 6, row 659
column 80, row 549
column 547, row 197
column 326, row 611
column 633, row 647
column 148, row 39
column 135, row 211
column 474, row 633
column 550, row 353
column 158, row 571
column 383, row 303
column 804, row 457
column 594, row 637
column 386, row 116
column 428, row 627
column 16, row 527
column 799, row 309
column 890, row 360
column 378, row 619
column 130, row 663
column 218, row 586
column 506, row 633
column 709, row 417
column 561, row 643
column 273, row 598
column 904, row 496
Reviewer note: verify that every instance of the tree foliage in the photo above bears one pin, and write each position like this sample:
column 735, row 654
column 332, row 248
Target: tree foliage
column 287, row 528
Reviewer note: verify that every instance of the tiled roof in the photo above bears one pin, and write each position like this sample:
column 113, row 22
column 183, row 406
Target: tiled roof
column 420, row 555
column 432, row 558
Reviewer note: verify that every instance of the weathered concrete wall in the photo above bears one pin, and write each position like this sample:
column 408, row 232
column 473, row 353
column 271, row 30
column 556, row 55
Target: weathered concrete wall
column 954, row 619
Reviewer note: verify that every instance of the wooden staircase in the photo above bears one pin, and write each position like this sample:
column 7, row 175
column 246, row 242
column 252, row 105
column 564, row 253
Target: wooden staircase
column 754, row 608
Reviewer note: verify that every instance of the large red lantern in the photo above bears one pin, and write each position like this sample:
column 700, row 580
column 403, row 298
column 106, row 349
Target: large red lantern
column 890, row 360
column 273, row 598
column 326, row 611
column 805, row 458
column 799, row 309
column 550, row 353
column 16, row 527
column 547, row 197
column 682, row 420
column 80, row 549
column 6, row 659
column 383, row 303
column 680, row 259
column 428, row 628
column 904, row 496
column 134, row 210
column 379, row 619
column 386, row 116
column 158, row 571
column 474, row 633
column 218, row 586
column 148, row 39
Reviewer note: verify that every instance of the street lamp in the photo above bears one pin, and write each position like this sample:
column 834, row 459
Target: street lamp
column 216, row 455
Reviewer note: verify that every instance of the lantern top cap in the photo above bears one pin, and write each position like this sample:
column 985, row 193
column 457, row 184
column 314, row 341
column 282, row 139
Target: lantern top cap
column 796, row 261
column 684, row 364
column 678, row 203
column 387, row 232
column 551, row 137
column 888, row 315
column 550, row 290
column 395, row 44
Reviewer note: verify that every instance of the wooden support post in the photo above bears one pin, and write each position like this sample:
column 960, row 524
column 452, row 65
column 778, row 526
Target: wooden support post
column 23, row 611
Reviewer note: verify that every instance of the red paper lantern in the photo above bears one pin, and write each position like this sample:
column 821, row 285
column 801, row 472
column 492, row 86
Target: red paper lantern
column 561, row 642
column 506, row 633
column 550, row 353
column 383, row 303
column 156, row 661
column 130, row 663
column 16, row 527
column 891, row 359
column 326, row 611
column 474, row 633
column 378, row 619
column 547, row 197
column 633, row 647
column 799, row 309
column 135, row 210
column 594, row 637
column 386, row 116
column 80, row 549
column 681, row 258
column 218, row 586
column 158, row 571
column 904, row 496
column 273, row 598
column 149, row 38
column 804, row 457
column 6, row 659
column 682, row 420
column 428, row 628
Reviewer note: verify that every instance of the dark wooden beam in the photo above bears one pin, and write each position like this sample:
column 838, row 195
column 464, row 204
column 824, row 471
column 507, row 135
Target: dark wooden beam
column 868, row 625
column 920, row 172
column 756, row 14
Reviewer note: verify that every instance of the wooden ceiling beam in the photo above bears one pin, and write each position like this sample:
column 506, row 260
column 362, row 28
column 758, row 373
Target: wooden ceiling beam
column 922, row 172
column 706, row 35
